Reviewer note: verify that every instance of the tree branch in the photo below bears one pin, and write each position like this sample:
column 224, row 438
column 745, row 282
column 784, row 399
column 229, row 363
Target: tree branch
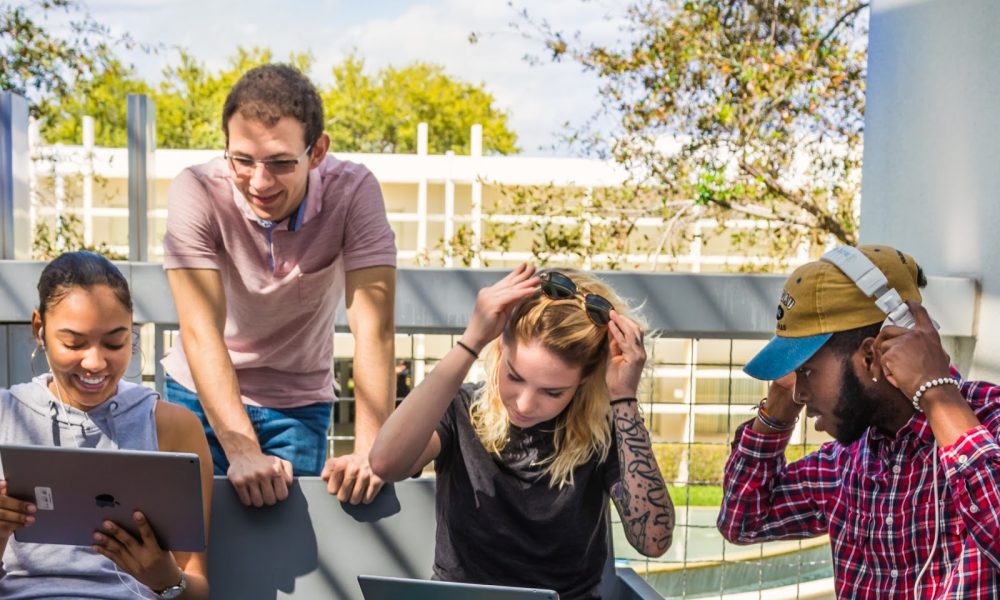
column 843, row 18
column 823, row 218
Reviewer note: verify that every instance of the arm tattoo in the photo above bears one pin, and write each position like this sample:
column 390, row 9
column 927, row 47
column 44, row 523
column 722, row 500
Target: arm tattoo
column 640, row 493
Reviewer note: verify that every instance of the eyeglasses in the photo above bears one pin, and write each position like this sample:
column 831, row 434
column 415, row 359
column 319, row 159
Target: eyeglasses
column 245, row 166
column 557, row 286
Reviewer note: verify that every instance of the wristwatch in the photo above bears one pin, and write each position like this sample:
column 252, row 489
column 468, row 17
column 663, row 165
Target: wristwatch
column 174, row 591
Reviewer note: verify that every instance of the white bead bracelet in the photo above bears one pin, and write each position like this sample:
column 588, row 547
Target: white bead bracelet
column 930, row 384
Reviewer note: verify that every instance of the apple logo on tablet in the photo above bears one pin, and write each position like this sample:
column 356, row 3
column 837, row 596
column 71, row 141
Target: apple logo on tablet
column 105, row 501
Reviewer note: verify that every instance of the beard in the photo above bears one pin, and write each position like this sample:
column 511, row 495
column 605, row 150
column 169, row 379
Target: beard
column 856, row 408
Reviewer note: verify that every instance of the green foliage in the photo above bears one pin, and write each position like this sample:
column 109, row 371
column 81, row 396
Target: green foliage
column 188, row 102
column 102, row 97
column 41, row 64
column 764, row 102
column 668, row 457
column 65, row 235
column 695, row 495
column 379, row 112
column 565, row 226
column 796, row 451
column 707, row 462
column 364, row 113
column 190, row 98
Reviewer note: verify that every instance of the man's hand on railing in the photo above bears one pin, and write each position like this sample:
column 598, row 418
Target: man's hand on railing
column 259, row 479
column 351, row 479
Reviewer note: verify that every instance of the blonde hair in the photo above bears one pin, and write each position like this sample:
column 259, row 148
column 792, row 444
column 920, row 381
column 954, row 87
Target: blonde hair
column 563, row 328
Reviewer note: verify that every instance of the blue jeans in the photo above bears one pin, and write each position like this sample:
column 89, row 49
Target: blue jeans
column 297, row 435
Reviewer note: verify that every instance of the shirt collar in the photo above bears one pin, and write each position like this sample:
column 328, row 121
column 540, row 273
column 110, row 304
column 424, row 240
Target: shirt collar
column 917, row 431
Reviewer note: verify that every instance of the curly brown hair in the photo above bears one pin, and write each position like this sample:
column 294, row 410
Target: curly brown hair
column 272, row 91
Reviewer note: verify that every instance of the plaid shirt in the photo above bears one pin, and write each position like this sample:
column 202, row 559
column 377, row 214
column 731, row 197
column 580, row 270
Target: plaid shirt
column 875, row 500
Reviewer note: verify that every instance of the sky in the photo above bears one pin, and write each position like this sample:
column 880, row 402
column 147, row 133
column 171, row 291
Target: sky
column 539, row 98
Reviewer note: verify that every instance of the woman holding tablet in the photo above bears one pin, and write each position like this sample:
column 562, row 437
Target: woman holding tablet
column 527, row 461
column 83, row 325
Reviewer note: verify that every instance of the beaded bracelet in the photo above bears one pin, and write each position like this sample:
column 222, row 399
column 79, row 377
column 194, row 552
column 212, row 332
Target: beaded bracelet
column 468, row 349
column 930, row 384
column 767, row 420
column 620, row 400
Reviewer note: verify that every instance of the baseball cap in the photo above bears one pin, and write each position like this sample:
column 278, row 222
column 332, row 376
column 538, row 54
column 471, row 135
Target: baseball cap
column 819, row 300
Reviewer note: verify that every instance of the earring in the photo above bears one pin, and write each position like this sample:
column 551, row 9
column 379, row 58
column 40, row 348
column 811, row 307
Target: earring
column 142, row 363
column 875, row 379
column 31, row 360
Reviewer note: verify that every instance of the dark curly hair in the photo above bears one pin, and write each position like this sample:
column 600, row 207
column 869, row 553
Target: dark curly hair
column 269, row 92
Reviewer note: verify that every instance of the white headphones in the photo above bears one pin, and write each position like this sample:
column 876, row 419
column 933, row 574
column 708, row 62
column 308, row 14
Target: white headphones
column 41, row 337
column 873, row 283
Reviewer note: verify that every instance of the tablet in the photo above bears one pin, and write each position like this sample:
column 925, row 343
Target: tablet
column 386, row 588
column 75, row 489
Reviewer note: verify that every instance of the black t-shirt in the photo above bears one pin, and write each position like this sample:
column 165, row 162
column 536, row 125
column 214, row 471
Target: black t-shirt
column 499, row 522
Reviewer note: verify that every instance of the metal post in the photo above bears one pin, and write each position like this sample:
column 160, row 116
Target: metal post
column 15, row 169
column 15, row 214
column 88, row 180
column 141, row 148
column 422, row 192
column 476, row 151
column 449, row 211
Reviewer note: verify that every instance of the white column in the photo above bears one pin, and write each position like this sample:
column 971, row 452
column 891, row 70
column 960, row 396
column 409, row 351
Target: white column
column 587, row 241
column 476, row 151
column 60, row 193
column 88, row 180
column 687, row 436
column 422, row 192
column 34, row 142
column 696, row 244
column 449, row 211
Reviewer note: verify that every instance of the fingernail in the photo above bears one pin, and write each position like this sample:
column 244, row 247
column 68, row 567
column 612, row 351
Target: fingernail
column 98, row 537
column 108, row 525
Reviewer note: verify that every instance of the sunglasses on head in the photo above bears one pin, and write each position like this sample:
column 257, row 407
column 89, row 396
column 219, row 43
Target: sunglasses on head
column 557, row 286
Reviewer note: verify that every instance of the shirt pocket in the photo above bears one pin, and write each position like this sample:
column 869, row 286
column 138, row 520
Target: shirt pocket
column 850, row 534
column 315, row 287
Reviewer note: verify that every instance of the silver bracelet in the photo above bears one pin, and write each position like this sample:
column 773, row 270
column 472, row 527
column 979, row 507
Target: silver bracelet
column 930, row 384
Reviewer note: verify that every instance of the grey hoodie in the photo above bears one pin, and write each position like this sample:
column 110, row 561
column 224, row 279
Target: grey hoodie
column 31, row 415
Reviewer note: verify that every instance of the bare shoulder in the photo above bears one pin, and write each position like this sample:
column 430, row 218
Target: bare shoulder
column 177, row 428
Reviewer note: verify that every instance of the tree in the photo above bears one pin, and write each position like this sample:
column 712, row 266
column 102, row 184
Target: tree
column 190, row 98
column 103, row 97
column 363, row 113
column 737, row 109
column 40, row 63
column 380, row 112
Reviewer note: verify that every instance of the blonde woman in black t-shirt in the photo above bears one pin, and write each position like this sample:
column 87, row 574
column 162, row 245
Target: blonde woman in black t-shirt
column 527, row 460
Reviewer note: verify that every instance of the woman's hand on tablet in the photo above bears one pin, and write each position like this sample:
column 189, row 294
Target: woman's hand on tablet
column 14, row 513
column 141, row 558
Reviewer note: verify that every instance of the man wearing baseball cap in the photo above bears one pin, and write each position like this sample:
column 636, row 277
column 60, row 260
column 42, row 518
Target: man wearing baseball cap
column 910, row 490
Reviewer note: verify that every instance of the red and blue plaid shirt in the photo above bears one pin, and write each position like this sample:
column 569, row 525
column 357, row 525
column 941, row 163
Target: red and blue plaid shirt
column 875, row 500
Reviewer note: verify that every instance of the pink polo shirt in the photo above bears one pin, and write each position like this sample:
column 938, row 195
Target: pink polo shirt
column 282, row 286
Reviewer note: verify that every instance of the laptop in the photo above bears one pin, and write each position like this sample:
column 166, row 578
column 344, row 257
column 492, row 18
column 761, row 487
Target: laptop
column 392, row 588
column 76, row 489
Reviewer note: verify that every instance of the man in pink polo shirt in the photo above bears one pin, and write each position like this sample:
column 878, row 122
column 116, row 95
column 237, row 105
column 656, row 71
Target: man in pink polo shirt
column 260, row 247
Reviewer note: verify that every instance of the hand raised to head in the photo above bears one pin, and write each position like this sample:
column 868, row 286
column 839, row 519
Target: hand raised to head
column 909, row 358
column 495, row 303
column 626, row 356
